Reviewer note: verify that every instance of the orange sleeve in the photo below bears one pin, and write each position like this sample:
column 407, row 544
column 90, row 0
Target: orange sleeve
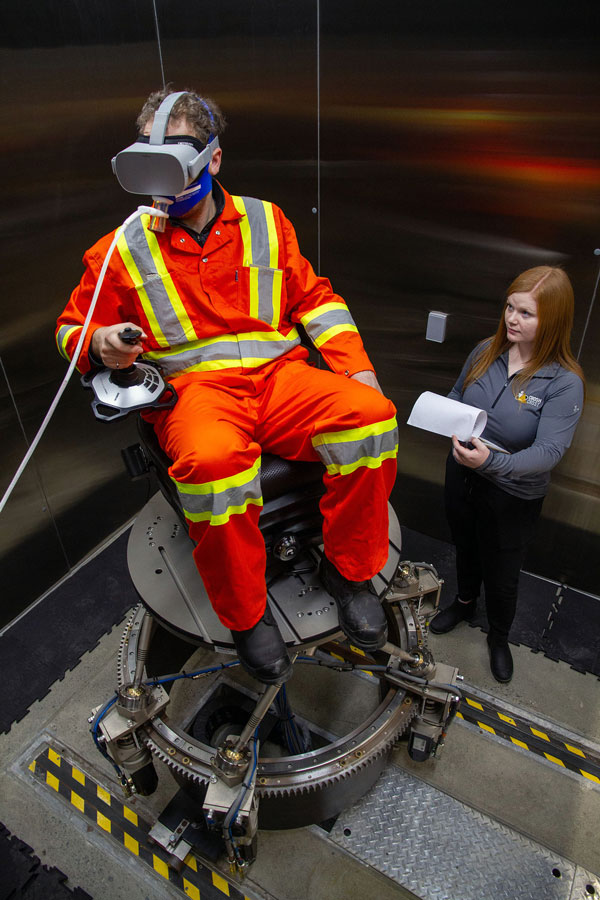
column 107, row 311
column 312, row 302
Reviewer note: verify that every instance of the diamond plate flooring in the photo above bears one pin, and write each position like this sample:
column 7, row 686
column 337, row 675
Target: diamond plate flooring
column 441, row 849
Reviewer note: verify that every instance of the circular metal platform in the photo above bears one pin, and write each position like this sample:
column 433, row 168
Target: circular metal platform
column 162, row 568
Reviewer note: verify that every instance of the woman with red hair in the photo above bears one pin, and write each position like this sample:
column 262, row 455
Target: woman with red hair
column 531, row 387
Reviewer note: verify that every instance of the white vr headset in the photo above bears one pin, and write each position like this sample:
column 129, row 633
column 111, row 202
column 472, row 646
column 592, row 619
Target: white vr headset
column 158, row 168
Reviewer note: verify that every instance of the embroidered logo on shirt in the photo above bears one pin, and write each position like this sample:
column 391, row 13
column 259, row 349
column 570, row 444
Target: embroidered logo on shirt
column 576, row 408
column 530, row 400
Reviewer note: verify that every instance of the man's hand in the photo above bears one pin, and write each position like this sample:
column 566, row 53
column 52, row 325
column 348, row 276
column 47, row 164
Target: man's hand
column 472, row 459
column 367, row 377
column 115, row 353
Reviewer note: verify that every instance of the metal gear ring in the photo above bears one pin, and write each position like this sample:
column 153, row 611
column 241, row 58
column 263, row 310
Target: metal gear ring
column 294, row 790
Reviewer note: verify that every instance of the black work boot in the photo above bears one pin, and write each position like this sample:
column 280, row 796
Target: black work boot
column 262, row 651
column 360, row 613
column 501, row 661
column 446, row 619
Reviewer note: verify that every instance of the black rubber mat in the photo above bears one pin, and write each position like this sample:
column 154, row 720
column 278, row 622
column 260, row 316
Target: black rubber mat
column 51, row 638
column 23, row 877
column 556, row 620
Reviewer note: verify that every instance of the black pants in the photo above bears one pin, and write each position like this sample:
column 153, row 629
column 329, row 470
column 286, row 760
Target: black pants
column 491, row 530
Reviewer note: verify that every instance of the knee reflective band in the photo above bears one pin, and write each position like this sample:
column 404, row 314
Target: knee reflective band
column 216, row 501
column 343, row 452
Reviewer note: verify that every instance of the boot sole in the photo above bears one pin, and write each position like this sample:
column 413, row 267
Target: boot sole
column 280, row 679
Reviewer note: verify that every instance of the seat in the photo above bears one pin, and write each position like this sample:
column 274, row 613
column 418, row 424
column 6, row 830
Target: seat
column 291, row 492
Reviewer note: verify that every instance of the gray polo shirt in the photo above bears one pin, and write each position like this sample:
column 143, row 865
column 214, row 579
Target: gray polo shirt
column 536, row 427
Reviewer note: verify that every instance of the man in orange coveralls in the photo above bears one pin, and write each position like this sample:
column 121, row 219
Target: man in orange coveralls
column 217, row 297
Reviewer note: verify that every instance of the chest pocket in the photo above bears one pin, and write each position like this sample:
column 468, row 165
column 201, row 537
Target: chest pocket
column 260, row 280
column 259, row 293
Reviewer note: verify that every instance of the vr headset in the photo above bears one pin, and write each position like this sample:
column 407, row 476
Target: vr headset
column 159, row 165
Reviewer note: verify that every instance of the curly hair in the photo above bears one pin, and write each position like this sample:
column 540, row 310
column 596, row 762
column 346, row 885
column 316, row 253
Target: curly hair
column 196, row 110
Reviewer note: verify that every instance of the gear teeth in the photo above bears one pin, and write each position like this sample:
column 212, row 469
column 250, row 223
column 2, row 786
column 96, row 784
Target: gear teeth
column 330, row 775
column 303, row 788
column 343, row 775
column 121, row 658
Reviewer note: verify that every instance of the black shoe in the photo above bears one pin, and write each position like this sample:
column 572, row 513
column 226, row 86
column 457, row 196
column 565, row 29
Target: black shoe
column 448, row 618
column 360, row 612
column 501, row 661
column 262, row 650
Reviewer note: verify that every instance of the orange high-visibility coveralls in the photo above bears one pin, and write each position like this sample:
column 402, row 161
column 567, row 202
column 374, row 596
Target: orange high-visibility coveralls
column 221, row 321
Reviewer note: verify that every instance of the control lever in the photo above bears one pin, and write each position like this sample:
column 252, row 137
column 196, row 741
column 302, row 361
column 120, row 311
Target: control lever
column 121, row 391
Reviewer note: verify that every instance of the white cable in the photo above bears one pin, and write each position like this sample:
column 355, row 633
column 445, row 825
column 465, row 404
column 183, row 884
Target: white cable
column 140, row 211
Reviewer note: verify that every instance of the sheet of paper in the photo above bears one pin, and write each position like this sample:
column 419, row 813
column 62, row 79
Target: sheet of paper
column 442, row 415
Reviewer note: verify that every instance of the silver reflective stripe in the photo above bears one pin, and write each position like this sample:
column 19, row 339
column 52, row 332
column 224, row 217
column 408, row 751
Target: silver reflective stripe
column 230, row 353
column 368, row 447
column 319, row 324
column 61, row 337
column 261, row 251
column 218, row 506
column 152, row 283
column 265, row 293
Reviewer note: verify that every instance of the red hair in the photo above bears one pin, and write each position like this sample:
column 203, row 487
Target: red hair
column 552, row 290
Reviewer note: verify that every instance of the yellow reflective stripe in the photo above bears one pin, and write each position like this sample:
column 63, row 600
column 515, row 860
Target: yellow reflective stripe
column 222, row 364
column 264, row 336
column 215, row 365
column 62, row 347
column 174, row 351
column 368, row 462
column 253, row 275
column 272, row 232
column 244, row 230
column 277, row 287
column 331, row 332
column 224, row 517
column 168, row 285
column 320, row 310
column 221, row 484
column 136, row 279
column 354, row 434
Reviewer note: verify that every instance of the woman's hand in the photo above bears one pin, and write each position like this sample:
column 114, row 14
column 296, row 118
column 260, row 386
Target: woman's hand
column 472, row 459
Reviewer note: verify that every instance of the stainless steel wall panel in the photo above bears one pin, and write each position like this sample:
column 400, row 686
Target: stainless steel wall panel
column 66, row 111
column 456, row 148
column 450, row 162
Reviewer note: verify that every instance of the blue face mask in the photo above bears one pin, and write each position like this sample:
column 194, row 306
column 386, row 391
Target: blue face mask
column 185, row 201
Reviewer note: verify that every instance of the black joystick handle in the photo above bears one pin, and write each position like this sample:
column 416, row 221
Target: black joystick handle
column 130, row 335
column 130, row 375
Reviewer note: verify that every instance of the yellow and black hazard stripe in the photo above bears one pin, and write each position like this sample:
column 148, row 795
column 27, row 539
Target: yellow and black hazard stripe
column 527, row 735
column 127, row 828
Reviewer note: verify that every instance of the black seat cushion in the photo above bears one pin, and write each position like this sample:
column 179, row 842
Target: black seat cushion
column 278, row 475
